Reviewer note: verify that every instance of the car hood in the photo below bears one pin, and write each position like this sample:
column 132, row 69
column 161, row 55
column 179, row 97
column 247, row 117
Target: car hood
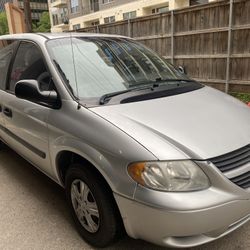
column 200, row 124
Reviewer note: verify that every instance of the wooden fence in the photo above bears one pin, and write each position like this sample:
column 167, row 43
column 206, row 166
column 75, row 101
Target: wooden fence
column 212, row 41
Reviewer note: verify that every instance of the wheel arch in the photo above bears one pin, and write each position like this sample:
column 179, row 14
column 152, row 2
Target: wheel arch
column 65, row 158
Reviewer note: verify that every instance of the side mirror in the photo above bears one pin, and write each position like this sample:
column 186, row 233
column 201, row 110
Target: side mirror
column 29, row 90
column 182, row 69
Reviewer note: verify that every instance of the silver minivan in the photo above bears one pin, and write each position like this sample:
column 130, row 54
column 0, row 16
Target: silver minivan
column 137, row 145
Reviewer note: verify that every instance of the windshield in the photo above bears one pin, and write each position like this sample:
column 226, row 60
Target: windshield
column 96, row 66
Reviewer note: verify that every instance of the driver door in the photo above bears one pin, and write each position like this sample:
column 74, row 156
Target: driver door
column 26, row 122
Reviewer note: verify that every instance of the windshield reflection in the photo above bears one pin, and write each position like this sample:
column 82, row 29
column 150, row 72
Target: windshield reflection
column 96, row 66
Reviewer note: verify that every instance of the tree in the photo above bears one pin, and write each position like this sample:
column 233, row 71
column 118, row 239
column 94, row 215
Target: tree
column 3, row 24
column 44, row 24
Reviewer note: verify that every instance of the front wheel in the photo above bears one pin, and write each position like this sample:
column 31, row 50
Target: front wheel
column 92, row 206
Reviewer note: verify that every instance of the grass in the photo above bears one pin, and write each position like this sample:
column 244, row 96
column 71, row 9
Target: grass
column 245, row 97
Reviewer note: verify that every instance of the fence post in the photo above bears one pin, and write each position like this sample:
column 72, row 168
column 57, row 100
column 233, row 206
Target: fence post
column 229, row 43
column 27, row 14
column 172, row 37
column 129, row 30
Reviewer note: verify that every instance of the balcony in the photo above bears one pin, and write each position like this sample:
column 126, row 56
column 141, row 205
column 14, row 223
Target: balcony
column 58, row 3
column 60, row 25
column 60, row 28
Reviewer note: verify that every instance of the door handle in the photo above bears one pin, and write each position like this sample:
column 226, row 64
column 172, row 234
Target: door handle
column 7, row 112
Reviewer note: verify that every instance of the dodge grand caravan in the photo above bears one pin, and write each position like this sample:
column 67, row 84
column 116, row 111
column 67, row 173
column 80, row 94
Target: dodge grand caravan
column 136, row 144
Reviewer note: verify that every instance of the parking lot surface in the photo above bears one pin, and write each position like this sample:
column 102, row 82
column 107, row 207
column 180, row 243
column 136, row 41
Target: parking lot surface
column 34, row 215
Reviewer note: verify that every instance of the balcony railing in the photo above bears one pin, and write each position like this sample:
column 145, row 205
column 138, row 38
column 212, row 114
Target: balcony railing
column 58, row 3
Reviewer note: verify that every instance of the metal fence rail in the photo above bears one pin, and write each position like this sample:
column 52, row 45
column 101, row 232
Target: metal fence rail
column 212, row 40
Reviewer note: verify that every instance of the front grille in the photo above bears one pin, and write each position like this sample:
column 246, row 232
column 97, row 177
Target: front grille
column 233, row 160
column 242, row 180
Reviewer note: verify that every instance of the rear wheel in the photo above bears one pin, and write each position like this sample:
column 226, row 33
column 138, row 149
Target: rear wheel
column 92, row 206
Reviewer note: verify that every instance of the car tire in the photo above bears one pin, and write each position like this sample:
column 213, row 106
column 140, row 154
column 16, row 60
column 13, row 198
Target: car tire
column 92, row 206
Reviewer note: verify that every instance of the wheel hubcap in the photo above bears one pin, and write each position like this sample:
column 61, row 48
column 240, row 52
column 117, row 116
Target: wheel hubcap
column 85, row 206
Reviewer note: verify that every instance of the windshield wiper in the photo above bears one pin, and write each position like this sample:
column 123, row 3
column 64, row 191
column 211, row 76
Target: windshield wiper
column 105, row 98
column 173, row 80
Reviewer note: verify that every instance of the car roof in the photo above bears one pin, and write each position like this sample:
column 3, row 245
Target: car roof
column 49, row 36
column 76, row 34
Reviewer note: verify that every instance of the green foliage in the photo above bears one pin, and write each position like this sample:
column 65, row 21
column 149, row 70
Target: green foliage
column 44, row 24
column 3, row 24
column 245, row 97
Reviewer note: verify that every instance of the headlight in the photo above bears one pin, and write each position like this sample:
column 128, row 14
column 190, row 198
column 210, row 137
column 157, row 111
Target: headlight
column 169, row 175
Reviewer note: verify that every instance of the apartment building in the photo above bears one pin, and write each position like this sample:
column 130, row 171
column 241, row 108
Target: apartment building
column 74, row 14
column 37, row 7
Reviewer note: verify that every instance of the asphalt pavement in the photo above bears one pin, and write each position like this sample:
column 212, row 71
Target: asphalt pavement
column 34, row 215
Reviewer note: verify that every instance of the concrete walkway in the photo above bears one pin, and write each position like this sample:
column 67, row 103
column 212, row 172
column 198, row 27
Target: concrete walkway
column 34, row 215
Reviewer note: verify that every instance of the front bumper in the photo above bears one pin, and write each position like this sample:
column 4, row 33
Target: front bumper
column 186, row 219
column 182, row 228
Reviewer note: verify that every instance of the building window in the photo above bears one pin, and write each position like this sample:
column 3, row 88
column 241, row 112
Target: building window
column 95, row 23
column 195, row 2
column 55, row 19
column 64, row 15
column 76, row 26
column 107, row 1
column 160, row 10
column 109, row 19
column 94, row 5
column 74, row 6
column 129, row 15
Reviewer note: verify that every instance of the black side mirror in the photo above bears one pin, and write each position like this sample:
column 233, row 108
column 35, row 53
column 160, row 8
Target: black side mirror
column 29, row 90
column 182, row 69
